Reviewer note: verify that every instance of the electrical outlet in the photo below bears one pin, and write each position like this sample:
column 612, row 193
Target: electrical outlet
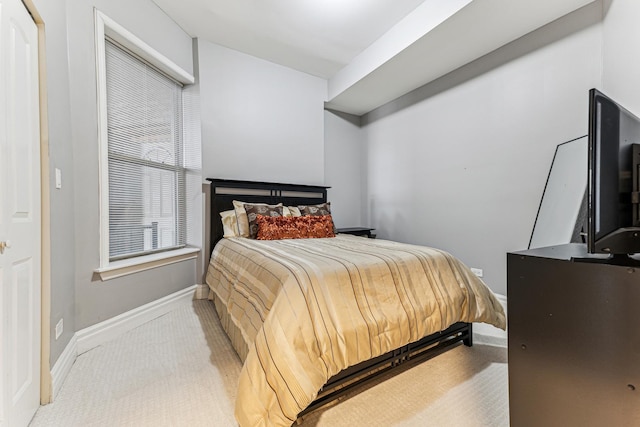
column 59, row 328
column 477, row 271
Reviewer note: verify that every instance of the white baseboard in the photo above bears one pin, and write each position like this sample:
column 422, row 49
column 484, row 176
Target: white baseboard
column 102, row 332
column 63, row 366
column 93, row 336
column 98, row 334
column 488, row 334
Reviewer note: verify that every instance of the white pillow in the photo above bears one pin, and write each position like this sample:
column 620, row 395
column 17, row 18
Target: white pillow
column 293, row 211
column 229, row 223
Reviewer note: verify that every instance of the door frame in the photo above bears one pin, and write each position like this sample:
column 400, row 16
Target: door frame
column 46, row 390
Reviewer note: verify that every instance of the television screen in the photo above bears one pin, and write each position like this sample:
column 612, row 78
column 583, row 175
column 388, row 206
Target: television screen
column 612, row 191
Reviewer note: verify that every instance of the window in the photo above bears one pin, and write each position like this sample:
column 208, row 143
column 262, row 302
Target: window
column 149, row 158
column 145, row 157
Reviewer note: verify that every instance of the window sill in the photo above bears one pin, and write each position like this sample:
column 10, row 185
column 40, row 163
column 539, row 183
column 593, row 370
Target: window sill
column 135, row 265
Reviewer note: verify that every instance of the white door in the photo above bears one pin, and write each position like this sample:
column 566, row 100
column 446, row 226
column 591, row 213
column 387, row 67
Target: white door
column 19, row 216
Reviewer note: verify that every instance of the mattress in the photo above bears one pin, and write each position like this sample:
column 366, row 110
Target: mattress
column 299, row 311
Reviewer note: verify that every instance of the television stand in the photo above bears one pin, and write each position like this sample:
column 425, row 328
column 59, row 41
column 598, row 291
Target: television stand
column 574, row 340
column 622, row 260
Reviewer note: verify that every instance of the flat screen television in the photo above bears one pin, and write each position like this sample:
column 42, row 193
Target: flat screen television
column 613, row 220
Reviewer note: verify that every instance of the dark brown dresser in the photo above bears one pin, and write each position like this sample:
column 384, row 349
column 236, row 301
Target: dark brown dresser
column 574, row 340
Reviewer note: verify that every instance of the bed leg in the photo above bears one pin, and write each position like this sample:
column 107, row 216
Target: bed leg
column 468, row 341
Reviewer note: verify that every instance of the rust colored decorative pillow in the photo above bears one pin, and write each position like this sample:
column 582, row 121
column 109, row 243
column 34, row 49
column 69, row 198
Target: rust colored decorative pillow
column 317, row 210
column 320, row 226
column 253, row 211
column 300, row 227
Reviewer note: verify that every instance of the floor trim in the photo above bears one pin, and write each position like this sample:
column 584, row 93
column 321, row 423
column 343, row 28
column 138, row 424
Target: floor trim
column 93, row 336
column 63, row 366
column 100, row 333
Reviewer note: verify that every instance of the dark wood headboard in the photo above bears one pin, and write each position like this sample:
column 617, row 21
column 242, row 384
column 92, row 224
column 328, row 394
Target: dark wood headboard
column 224, row 192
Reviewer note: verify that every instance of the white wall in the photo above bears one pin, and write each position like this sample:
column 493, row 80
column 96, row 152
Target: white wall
column 260, row 121
column 461, row 163
column 344, row 168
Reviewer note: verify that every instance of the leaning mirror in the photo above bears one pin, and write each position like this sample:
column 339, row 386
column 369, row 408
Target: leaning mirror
column 562, row 210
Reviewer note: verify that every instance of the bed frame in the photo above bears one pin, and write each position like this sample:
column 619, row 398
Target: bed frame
column 222, row 194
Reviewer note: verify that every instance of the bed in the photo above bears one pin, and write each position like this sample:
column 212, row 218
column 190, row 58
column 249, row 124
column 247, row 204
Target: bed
column 312, row 319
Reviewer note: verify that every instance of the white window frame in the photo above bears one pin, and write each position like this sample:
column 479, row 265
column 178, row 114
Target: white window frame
column 106, row 27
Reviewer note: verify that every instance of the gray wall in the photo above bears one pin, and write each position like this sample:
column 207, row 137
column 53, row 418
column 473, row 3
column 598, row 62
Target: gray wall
column 60, row 156
column 621, row 65
column 465, row 158
column 344, row 168
column 461, row 163
column 75, row 295
column 260, row 121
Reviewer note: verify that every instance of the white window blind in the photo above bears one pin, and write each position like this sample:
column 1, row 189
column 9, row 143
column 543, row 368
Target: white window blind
column 146, row 170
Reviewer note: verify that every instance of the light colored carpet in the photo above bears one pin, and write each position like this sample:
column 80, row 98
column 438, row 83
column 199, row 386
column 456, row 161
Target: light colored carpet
column 180, row 370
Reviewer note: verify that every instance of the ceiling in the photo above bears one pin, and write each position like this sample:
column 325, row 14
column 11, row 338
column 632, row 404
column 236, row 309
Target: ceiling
column 370, row 51
column 318, row 37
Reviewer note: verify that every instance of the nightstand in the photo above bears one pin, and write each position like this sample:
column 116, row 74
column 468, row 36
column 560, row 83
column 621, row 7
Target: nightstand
column 358, row 231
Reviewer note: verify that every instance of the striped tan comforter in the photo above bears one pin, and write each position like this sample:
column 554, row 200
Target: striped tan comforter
column 308, row 308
